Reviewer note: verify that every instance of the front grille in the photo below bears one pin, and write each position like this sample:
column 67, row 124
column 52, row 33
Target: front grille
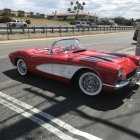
column 131, row 74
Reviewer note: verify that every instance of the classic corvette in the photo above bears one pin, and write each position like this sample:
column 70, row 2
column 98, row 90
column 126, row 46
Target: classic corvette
column 68, row 60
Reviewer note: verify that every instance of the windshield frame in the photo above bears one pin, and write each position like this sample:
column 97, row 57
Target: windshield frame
column 81, row 46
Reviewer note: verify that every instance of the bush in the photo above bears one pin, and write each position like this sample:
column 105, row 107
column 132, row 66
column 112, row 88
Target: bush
column 73, row 22
column 5, row 19
column 28, row 21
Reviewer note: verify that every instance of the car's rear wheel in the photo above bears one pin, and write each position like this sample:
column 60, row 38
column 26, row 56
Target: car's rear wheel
column 89, row 83
column 13, row 25
column 22, row 67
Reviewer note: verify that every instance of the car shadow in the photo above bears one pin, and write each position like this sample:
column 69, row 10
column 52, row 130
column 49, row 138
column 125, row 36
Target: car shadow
column 74, row 98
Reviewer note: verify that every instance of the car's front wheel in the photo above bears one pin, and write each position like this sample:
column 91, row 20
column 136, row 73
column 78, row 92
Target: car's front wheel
column 13, row 25
column 22, row 67
column 89, row 83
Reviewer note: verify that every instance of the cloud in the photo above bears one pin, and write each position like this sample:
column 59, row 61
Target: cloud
column 103, row 8
column 109, row 8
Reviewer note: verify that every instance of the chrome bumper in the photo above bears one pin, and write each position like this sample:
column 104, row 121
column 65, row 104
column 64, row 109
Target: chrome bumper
column 132, row 81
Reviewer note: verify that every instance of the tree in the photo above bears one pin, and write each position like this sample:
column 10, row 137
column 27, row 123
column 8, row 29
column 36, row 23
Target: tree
column 129, row 22
column 7, row 12
column 21, row 13
column 37, row 15
column 119, row 20
column 137, row 20
column 76, row 8
column 31, row 14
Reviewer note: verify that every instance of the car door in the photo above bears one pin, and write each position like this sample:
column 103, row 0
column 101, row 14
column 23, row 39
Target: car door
column 63, row 67
column 42, row 61
column 59, row 65
column 50, row 63
column 18, row 23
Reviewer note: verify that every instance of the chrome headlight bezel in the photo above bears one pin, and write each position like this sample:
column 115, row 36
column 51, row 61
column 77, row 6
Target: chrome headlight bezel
column 121, row 72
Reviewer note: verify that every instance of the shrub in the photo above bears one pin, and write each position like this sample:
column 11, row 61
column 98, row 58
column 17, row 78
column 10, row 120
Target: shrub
column 73, row 22
column 28, row 21
column 5, row 19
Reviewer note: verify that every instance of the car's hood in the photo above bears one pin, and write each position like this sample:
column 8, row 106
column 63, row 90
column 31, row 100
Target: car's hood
column 109, row 58
column 97, row 56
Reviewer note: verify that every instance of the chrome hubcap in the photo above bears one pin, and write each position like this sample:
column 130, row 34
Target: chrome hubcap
column 90, row 83
column 22, row 67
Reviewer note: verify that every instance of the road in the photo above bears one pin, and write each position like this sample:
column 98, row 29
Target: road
column 42, row 109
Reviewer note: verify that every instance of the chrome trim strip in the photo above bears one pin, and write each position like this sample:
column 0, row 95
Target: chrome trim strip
column 123, row 83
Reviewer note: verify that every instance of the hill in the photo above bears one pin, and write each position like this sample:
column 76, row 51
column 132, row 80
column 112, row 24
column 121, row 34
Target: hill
column 44, row 22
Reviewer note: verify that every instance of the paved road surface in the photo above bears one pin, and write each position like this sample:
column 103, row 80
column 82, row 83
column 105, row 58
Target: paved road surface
column 38, row 108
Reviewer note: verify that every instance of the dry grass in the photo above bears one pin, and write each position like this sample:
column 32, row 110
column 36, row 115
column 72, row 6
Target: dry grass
column 44, row 22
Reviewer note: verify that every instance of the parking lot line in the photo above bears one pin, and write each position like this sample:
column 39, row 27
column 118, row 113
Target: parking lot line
column 49, row 117
column 37, row 120
column 138, row 83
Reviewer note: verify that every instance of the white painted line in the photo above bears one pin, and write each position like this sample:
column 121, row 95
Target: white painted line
column 51, row 118
column 138, row 83
column 40, row 122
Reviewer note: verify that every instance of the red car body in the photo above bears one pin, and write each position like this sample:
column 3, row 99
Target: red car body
column 115, row 70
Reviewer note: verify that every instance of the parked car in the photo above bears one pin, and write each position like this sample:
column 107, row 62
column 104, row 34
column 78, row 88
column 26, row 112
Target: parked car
column 68, row 60
column 93, row 25
column 114, row 25
column 135, row 35
column 17, row 23
column 81, row 24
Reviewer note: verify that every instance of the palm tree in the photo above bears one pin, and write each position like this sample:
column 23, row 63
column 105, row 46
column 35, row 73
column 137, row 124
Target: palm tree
column 77, row 7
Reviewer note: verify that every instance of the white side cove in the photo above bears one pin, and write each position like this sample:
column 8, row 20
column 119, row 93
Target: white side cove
column 66, row 71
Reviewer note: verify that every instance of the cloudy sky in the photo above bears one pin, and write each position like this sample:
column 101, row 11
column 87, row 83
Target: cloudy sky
column 103, row 8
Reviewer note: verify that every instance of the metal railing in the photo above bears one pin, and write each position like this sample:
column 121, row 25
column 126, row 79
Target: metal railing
column 60, row 30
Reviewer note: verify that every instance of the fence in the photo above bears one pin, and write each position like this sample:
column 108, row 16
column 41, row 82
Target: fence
column 34, row 31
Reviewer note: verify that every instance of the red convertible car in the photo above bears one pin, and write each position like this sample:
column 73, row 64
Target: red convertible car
column 68, row 60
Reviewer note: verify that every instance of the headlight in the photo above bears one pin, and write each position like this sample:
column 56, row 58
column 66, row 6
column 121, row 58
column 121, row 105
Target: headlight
column 121, row 72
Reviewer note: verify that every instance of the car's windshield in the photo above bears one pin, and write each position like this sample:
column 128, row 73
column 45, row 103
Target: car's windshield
column 67, row 45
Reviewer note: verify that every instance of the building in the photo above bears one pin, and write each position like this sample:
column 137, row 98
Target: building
column 64, row 16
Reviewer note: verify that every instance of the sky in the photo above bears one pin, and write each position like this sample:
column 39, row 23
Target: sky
column 103, row 8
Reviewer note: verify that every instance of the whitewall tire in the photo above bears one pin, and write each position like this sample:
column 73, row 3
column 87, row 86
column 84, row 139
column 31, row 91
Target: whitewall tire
column 90, row 83
column 22, row 67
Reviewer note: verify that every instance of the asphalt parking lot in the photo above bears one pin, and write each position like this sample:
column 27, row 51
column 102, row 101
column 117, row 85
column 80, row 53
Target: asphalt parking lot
column 34, row 107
